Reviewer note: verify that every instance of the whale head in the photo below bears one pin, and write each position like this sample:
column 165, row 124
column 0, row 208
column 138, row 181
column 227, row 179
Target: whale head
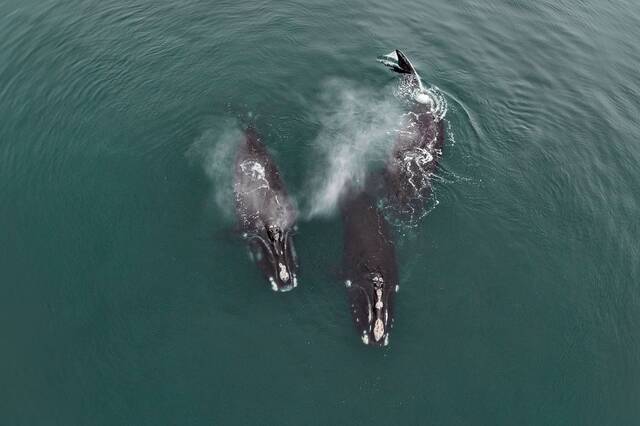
column 371, row 307
column 273, row 250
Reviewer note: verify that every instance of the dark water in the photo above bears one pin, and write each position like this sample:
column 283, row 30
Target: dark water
column 124, row 300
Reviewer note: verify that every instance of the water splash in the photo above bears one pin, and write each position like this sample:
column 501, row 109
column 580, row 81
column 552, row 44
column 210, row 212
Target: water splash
column 407, row 91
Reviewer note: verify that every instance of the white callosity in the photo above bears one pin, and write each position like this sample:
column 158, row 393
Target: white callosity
column 379, row 303
column 284, row 274
column 378, row 327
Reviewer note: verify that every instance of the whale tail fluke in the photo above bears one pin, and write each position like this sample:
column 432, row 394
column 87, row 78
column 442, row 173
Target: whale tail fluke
column 398, row 62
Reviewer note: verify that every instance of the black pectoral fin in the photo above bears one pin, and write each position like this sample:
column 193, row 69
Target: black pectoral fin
column 397, row 61
column 403, row 63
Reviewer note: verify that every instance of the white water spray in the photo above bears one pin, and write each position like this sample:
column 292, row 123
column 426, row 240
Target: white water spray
column 358, row 128
column 215, row 152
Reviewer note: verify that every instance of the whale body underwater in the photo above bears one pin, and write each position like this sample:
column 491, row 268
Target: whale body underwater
column 267, row 215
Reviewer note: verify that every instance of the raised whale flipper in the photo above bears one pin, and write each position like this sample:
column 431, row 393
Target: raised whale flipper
column 398, row 62
column 404, row 63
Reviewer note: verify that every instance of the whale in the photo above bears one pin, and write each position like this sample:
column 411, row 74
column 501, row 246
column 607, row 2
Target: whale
column 414, row 157
column 369, row 267
column 266, row 214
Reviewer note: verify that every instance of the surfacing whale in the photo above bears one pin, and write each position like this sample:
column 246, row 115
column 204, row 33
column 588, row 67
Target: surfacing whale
column 266, row 215
column 418, row 147
column 369, row 267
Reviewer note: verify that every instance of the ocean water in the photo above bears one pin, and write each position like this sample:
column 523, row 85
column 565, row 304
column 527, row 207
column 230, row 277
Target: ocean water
column 125, row 297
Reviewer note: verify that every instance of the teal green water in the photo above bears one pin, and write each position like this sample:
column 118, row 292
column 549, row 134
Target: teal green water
column 123, row 300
